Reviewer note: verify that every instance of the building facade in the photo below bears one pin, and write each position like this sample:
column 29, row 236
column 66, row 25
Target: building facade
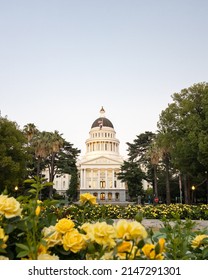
column 101, row 163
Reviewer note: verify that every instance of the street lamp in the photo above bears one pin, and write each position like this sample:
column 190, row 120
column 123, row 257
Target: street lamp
column 192, row 195
column 16, row 189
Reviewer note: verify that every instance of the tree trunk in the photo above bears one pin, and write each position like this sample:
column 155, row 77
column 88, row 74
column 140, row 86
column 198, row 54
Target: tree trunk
column 180, row 188
column 51, row 175
column 155, row 181
column 167, row 181
column 186, row 196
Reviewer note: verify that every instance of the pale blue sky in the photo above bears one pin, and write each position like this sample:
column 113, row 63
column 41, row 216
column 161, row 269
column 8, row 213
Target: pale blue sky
column 60, row 61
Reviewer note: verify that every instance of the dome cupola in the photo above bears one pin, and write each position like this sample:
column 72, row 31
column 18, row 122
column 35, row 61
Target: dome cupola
column 102, row 120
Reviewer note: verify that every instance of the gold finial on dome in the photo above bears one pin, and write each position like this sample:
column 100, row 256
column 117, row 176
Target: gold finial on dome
column 102, row 112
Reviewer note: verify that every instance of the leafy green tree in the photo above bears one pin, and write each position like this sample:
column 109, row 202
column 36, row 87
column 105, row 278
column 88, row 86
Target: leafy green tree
column 137, row 151
column 13, row 156
column 132, row 174
column 73, row 186
column 184, row 123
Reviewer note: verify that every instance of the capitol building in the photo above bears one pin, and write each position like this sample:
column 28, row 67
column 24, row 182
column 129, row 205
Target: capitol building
column 101, row 163
column 99, row 167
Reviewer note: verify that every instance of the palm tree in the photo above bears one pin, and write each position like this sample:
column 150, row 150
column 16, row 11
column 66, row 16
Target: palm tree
column 40, row 144
column 29, row 131
column 55, row 143
column 155, row 155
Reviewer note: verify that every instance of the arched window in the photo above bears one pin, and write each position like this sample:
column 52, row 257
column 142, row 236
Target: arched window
column 102, row 196
column 117, row 196
column 109, row 196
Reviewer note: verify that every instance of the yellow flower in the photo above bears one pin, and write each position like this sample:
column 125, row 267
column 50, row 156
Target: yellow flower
column 101, row 233
column 4, row 238
column 37, row 210
column 107, row 256
column 47, row 257
column 130, row 230
column 9, row 206
column 64, row 225
column 88, row 229
column 3, row 258
column 73, row 241
column 87, row 197
column 123, row 249
column 198, row 240
column 125, row 246
column 150, row 252
column 126, row 250
column 161, row 243
column 51, row 236
column 42, row 249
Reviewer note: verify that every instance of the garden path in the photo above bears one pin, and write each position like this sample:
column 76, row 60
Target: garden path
column 156, row 224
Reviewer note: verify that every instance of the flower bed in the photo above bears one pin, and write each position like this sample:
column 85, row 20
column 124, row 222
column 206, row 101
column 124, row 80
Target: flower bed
column 31, row 229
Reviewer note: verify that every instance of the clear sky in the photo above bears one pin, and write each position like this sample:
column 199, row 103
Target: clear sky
column 61, row 60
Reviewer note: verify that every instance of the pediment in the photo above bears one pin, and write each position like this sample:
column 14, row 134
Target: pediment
column 103, row 161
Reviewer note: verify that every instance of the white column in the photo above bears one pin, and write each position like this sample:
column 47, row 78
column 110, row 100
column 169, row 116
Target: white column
column 84, row 178
column 106, row 179
column 91, row 179
column 113, row 178
column 98, row 181
column 81, row 178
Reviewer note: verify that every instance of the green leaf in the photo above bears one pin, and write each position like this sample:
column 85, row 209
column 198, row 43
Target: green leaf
column 29, row 181
column 2, row 250
column 32, row 191
column 22, row 254
column 205, row 253
column 9, row 228
column 22, row 246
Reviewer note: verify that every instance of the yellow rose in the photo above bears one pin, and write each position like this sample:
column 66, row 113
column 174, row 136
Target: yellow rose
column 64, row 225
column 198, row 240
column 73, row 241
column 107, row 256
column 123, row 249
column 130, row 230
column 101, row 233
column 9, row 206
column 149, row 251
column 42, row 249
column 3, row 258
column 125, row 246
column 87, row 197
column 88, row 229
column 42, row 257
column 4, row 238
column 51, row 236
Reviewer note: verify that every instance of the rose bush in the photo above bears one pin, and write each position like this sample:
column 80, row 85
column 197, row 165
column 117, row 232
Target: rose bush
column 48, row 230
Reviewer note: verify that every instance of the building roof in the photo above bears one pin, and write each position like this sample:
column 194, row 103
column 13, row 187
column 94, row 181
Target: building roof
column 102, row 121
